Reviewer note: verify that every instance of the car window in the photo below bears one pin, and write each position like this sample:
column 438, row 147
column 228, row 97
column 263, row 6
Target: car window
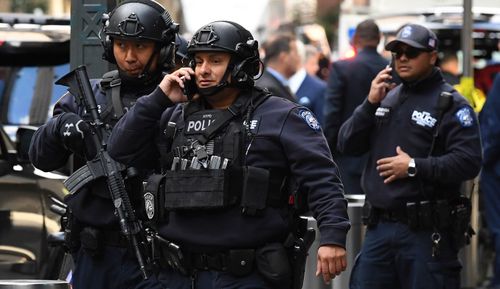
column 31, row 85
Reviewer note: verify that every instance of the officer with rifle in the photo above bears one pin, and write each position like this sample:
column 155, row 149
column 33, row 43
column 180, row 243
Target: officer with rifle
column 104, row 232
column 236, row 165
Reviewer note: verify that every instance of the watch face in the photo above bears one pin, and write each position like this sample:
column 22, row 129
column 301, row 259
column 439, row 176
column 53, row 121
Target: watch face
column 412, row 170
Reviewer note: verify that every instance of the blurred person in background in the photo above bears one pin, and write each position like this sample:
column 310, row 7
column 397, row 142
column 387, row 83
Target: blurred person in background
column 490, row 173
column 348, row 86
column 309, row 89
column 324, row 67
column 281, row 60
column 448, row 63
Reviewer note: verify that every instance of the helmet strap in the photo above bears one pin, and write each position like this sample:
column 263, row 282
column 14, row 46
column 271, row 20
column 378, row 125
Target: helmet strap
column 145, row 72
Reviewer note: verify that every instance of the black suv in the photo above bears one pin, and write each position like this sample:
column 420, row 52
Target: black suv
column 34, row 52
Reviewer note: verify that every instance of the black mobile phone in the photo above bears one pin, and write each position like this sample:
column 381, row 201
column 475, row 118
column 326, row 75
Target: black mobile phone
column 190, row 88
column 391, row 65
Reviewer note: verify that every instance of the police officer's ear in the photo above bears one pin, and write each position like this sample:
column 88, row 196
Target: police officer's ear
column 434, row 57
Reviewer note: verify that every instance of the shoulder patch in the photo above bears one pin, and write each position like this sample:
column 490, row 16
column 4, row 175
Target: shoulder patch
column 310, row 119
column 464, row 116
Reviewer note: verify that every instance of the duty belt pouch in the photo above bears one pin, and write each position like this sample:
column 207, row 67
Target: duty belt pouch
column 368, row 216
column 255, row 189
column 273, row 264
column 442, row 211
column 72, row 230
column 196, row 189
column 425, row 216
column 412, row 213
column 153, row 198
column 241, row 262
column 91, row 241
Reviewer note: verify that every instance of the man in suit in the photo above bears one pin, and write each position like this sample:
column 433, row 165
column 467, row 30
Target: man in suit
column 309, row 89
column 348, row 85
column 282, row 61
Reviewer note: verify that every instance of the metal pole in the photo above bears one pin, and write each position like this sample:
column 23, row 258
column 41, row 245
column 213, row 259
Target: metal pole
column 467, row 41
column 85, row 43
column 469, row 253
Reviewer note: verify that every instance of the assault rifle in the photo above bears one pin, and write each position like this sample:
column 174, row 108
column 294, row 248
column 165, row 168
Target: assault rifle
column 104, row 166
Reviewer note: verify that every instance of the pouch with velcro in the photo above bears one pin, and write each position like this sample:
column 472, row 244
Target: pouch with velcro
column 196, row 189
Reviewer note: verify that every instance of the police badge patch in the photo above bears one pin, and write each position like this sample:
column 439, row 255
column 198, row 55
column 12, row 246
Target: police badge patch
column 310, row 119
column 149, row 204
column 464, row 116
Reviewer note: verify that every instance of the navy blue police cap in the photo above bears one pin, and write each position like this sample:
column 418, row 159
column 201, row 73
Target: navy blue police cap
column 416, row 36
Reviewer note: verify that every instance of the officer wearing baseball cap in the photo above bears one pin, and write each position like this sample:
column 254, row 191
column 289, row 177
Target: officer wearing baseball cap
column 416, row 36
column 422, row 138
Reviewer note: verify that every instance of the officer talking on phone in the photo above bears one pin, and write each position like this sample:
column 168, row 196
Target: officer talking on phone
column 423, row 141
column 236, row 165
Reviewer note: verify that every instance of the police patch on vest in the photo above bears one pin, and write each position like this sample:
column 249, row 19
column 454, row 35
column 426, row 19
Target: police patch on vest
column 253, row 126
column 199, row 121
column 310, row 119
column 464, row 116
column 423, row 118
column 149, row 204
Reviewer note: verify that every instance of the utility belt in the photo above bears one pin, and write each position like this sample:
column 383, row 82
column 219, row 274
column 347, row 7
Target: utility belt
column 451, row 215
column 281, row 264
column 421, row 215
column 253, row 188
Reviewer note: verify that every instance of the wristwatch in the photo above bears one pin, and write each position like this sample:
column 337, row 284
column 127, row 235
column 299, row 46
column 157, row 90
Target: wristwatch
column 412, row 168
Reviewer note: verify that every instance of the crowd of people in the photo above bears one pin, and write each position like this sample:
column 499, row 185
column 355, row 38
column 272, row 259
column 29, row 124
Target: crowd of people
column 224, row 142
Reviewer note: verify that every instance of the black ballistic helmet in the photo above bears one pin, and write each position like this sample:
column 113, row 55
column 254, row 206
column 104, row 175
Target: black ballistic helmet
column 140, row 20
column 227, row 36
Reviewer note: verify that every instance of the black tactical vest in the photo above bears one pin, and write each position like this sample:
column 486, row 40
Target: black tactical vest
column 205, row 168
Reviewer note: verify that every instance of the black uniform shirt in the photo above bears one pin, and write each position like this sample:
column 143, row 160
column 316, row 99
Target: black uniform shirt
column 287, row 137
column 407, row 118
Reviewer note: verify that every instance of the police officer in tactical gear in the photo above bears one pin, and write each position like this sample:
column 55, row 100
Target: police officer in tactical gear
column 236, row 161
column 138, row 37
column 423, row 141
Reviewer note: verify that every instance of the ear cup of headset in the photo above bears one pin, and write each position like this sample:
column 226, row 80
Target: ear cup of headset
column 167, row 56
column 249, row 66
column 107, row 45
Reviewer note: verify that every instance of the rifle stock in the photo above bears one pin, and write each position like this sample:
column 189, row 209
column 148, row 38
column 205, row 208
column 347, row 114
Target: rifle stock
column 79, row 85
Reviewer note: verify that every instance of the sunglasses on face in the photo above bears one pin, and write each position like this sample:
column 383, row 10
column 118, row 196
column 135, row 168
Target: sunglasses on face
column 410, row 52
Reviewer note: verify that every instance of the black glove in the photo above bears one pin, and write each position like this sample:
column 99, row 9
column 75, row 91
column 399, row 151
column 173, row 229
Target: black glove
column 72, row 130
